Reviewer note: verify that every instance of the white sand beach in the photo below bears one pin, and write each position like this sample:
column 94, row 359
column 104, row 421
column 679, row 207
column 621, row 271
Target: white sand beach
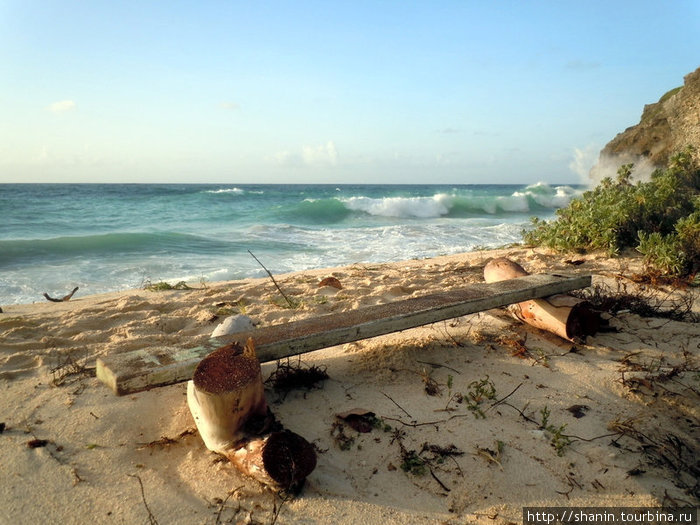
column 541, row 422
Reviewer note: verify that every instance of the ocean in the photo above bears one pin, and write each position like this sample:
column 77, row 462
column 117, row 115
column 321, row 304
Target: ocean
column 109, row 237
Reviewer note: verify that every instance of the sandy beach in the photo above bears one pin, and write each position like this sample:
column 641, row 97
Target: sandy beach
column 500, row 415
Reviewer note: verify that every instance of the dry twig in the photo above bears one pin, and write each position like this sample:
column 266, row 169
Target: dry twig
column 151, row 518
column 289, row 302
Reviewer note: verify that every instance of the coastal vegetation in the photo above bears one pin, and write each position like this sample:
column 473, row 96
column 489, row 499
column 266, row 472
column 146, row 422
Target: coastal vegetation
column 163, row 286
column 660, row 218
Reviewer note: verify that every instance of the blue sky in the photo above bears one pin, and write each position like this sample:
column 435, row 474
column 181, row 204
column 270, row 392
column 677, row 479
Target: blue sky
column 336, row 92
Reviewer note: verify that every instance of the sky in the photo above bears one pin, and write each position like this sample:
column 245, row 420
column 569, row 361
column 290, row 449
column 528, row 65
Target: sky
column 450, row 92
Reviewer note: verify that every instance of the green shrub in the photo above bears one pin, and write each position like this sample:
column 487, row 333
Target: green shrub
column 660, row 218
column 688, row 230
column 662, row 252
column 162, row 286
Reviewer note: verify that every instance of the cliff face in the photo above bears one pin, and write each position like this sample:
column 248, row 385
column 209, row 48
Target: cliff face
column 665, row 128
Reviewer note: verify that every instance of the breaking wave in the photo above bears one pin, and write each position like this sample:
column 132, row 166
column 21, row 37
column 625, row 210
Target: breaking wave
column 459, row 204
column 227, row 190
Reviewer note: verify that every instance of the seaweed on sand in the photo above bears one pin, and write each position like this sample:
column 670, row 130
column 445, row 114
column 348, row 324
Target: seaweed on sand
column 645, row 301
column 288, row 377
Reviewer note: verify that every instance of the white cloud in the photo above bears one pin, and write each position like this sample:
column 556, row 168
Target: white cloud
column 62, row 106
column 322, row 155
column 231, row 106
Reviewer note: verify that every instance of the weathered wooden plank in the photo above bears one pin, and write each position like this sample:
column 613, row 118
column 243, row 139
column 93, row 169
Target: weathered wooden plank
column 158, row 366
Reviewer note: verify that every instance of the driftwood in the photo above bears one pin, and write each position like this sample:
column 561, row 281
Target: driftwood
column 227, row 399
column 62, row 299
column 568, row 317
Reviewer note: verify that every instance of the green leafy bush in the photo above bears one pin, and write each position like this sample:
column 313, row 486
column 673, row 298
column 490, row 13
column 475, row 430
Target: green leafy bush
column 660, row 218
column 677, row 253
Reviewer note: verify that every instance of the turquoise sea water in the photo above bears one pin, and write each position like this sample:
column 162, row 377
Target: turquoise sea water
column 102, row 238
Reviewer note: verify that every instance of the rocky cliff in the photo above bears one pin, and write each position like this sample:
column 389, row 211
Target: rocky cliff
column 665, row 128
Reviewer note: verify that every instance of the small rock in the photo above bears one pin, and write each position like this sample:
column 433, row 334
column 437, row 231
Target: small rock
column 232, row 325
column 331, row 281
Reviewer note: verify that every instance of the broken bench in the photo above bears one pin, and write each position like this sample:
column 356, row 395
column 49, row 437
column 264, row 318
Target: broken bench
column 151, row 367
